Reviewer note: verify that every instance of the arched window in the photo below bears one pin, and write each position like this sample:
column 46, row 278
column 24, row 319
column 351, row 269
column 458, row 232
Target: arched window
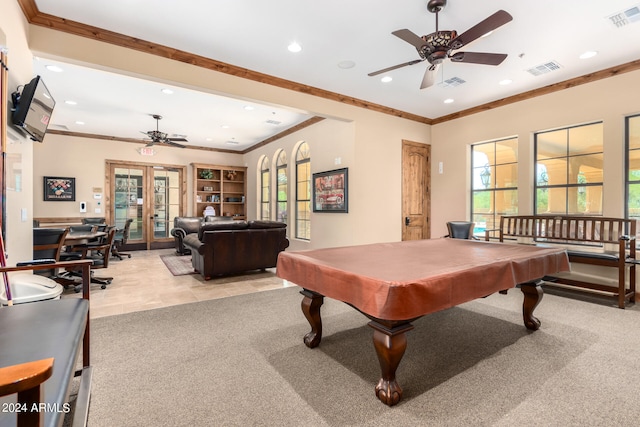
column 264, row 189
column 283, row 186
column 303, row 192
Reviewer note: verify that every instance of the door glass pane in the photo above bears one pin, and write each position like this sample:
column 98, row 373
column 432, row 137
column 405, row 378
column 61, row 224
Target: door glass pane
column 166, row 201
column 128, row 200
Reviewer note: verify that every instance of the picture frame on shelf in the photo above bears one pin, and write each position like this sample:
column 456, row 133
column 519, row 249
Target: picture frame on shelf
column 59, row 189
column 330, row 191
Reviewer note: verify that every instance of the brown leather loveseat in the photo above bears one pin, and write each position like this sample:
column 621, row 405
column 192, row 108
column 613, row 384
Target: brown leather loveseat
column 185, row 225
column 221, row 248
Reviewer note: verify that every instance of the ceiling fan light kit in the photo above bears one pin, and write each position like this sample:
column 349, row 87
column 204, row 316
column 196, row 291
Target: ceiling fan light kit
column 439, row 45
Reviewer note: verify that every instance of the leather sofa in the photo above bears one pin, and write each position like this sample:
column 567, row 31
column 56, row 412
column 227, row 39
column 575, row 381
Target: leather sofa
column 221, row 248
column 185, row 225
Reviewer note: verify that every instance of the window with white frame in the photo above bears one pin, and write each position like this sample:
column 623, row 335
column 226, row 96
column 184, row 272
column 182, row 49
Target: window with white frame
column 283, row 186
column 303, row 192
column 264, row 189
column 569, row 170
column 494, row 182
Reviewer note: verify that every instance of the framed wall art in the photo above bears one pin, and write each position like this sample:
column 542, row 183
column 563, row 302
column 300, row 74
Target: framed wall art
column 59, row 189
column 330, row 191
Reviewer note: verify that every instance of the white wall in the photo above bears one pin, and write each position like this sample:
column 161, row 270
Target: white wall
column 14, row 29
column 609, row 100
column 84, row 159
column 368, row 143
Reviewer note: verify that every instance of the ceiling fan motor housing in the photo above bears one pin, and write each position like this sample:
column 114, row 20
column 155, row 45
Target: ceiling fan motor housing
column 437, row 46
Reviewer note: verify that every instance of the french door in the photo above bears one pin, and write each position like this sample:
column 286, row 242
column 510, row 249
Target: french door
column 150, row 194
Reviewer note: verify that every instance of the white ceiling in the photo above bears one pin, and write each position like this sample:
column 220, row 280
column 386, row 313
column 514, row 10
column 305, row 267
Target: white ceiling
column 254, row 34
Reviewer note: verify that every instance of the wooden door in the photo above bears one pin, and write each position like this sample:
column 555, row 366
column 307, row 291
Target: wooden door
column 150, row 194
column 416, row 194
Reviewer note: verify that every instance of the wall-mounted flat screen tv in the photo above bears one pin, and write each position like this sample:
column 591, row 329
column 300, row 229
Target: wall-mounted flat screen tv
column 33, row 108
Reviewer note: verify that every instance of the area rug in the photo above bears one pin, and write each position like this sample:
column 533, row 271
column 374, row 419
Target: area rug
column 241, row 361
column 178, row 265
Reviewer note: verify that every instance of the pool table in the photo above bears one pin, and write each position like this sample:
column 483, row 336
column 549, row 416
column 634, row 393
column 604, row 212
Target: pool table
column 396, row 283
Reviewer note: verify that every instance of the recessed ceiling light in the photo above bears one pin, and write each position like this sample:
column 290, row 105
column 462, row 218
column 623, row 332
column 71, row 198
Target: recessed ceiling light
column 249, row 107
column 69, row 102
column 167, row 91
column 386, row 79
column 345, row 65
column 294, row 47
column 588, row 54
column 225, row 126
column 448, row 101
column 208, row 139
column 506, row 82
column 54, row 68
column 78, row 122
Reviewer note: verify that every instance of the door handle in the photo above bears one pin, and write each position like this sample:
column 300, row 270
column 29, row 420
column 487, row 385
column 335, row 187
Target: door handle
column 407, row 220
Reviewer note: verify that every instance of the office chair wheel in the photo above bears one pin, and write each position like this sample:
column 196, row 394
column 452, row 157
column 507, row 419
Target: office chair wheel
column 103, row 286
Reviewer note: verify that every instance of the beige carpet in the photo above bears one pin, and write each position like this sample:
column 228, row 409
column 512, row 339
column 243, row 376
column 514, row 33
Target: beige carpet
column 240, row 361
column 178, row 265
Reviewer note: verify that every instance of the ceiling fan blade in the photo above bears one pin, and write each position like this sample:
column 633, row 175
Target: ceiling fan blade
column 384, row 70
column 429, row 76
column 175, row 144
column 480, row 29
column 479, row 58
column 410, row 37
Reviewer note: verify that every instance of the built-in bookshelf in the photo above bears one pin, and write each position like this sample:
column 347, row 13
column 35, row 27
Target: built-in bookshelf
column 221, row 187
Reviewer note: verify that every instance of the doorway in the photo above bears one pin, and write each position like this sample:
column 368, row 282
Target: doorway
column 150, row 194
column 416, row 190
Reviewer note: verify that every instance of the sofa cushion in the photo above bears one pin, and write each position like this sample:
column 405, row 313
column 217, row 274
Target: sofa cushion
column 222, row 225
column 267, row 224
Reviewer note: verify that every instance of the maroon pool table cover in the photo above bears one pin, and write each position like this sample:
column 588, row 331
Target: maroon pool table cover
column 406, row 280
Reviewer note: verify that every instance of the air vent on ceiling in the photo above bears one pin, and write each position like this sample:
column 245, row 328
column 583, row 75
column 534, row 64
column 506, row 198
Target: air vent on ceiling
column 547, row 67
column 232, row 142
column 273, row 122
column 452, row 82
column 625, row 17
column 177, row 135
column 63, row 127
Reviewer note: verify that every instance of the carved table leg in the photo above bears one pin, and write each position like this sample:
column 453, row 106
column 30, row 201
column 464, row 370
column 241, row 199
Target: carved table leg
column 311, row 304
column 390, row 342
column 532, row 296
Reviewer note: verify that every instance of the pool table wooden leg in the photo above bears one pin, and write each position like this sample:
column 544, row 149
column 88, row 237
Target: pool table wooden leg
column 311, row 304
column 390, row 342
column 532, row 296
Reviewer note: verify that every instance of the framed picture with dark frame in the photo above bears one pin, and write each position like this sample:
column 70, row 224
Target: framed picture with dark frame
column 59, row 189
column 330, row 191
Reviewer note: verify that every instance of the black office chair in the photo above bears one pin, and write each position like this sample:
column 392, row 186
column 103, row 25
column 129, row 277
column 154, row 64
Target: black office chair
column 99, row 254
column 120, row 240
column 460, row 229
column 48, row 244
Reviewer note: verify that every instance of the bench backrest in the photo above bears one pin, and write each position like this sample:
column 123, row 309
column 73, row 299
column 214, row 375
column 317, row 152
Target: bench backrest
column 566, row 229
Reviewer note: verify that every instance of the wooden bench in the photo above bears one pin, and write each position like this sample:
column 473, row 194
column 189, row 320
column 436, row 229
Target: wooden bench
column 40, row 344
column 600, row 241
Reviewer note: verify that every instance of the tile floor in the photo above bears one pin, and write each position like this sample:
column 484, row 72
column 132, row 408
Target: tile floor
column 143, row 282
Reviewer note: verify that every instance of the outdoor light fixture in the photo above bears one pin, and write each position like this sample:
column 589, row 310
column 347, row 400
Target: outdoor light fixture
column 485, row 176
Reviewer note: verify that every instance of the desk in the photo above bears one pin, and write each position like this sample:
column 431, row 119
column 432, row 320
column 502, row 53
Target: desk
column 82, row 237
column 394, row 284
column 44, row 329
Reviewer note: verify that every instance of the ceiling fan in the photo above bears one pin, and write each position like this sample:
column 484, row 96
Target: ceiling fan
column 439, row 45
column 158, row 137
